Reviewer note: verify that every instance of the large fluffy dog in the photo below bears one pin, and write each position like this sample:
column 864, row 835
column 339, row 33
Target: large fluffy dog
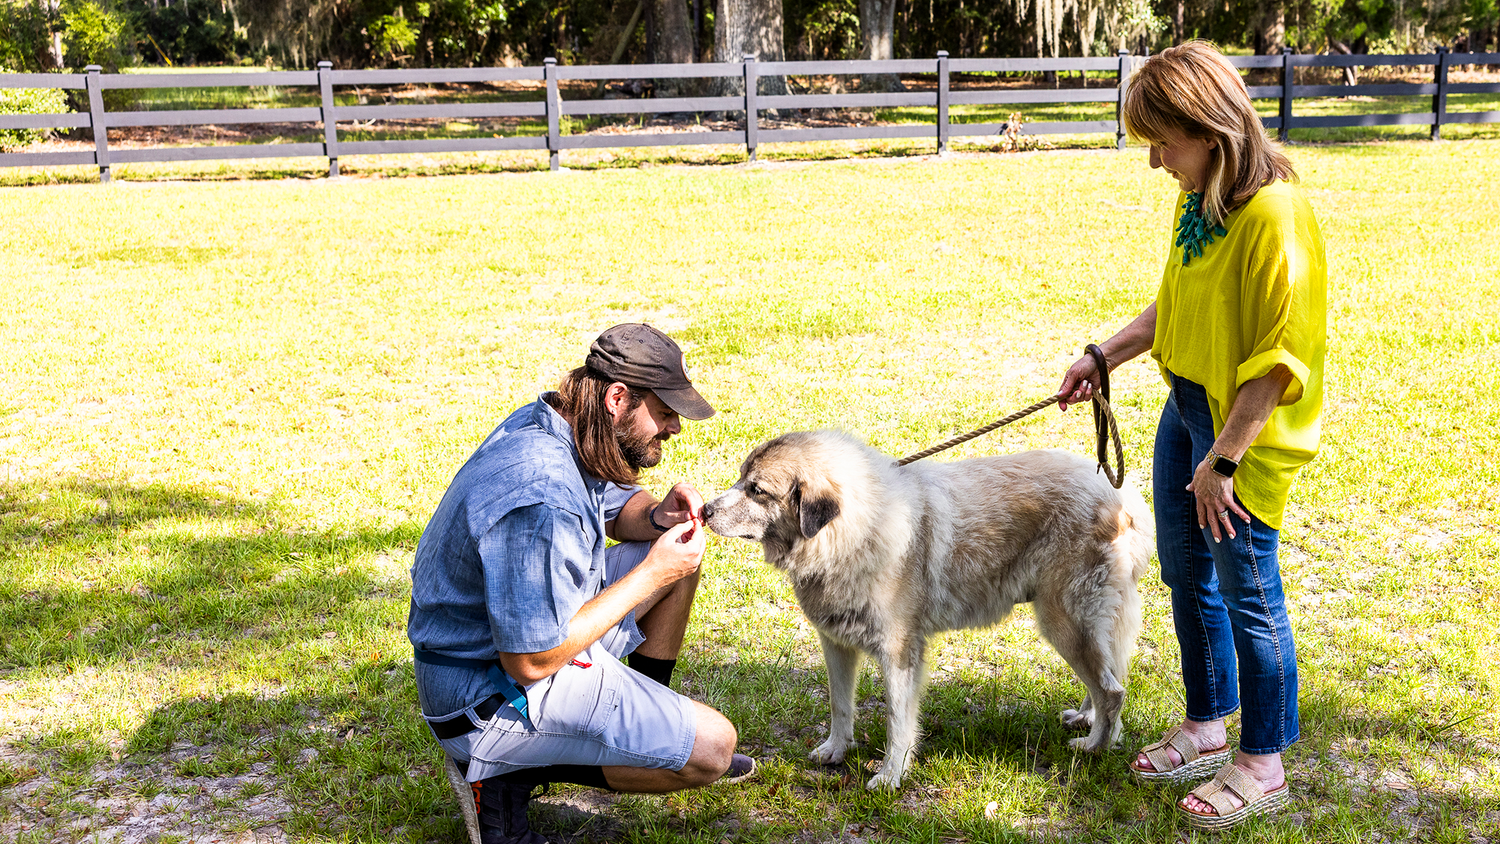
column 883, row 557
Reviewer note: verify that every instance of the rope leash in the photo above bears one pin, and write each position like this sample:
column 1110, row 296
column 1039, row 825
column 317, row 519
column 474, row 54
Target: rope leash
column 1105, row 428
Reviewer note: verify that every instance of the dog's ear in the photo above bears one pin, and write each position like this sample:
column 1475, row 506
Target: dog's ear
column 815, row 509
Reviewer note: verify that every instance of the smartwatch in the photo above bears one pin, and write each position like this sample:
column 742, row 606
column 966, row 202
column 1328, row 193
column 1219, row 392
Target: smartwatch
column 1221, row 464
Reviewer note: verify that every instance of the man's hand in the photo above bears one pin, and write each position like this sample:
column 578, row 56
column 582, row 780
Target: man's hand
column 677, row 554
column 682, row 504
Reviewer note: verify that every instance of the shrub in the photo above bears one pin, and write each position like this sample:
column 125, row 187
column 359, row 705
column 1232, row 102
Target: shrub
column 189, row 32
column 26, row 36
column 28, row 101
column 97, row 32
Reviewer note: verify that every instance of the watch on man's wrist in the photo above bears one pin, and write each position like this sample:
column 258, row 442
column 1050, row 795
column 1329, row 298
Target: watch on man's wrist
column 1221, row 465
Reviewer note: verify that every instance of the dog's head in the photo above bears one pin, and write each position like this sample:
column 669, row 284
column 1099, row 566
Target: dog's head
column 787, row 492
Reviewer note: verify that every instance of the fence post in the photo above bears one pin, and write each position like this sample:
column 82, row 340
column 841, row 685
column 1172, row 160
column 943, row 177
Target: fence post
column 1124, row 82
column 96, row 121
column 942, row 103
column 554, row 113
column 330, row 122
column 1440, row 99
column 752, row 115
column 1286, row 95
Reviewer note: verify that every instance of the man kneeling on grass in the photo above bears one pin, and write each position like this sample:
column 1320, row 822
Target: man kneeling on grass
column 520, row 615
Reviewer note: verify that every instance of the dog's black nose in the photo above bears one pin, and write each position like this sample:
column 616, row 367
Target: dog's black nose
column 708, row 512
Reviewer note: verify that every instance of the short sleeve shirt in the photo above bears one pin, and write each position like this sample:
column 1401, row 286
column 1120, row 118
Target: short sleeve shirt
column 514, row 550
column 1256, row 298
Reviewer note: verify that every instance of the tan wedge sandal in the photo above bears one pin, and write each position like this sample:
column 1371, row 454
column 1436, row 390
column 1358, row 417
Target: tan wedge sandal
column 1231, row 780
column 1195, row 764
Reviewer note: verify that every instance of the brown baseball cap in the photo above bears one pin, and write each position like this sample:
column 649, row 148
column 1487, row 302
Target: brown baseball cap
column 640, row 356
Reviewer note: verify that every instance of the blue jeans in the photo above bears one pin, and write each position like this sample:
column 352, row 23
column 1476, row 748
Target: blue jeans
column 1227, row 603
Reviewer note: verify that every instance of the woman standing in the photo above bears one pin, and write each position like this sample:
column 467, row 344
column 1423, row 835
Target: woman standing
column 1238, row 330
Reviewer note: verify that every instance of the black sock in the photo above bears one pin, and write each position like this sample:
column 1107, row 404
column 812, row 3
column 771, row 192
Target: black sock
column 659, row 670
column 589, row 775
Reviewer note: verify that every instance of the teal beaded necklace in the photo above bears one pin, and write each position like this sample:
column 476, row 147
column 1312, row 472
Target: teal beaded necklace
column 1193, row 230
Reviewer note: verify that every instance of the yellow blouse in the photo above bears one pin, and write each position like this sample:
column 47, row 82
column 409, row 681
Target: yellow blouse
column 1255, row 298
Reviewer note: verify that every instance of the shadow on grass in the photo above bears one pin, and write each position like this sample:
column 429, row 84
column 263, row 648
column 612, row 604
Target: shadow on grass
column 90, row 567
column 96, row 571
column 1400, row 771
column 355, row 766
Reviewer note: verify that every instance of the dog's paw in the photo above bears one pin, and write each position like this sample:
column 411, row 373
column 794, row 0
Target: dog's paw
column 1073, row 719
column 830, row 752
column 1085, row 744
column 889, row 779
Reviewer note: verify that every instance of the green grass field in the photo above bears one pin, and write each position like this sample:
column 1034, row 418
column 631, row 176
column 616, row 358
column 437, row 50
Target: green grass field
column 228, row 407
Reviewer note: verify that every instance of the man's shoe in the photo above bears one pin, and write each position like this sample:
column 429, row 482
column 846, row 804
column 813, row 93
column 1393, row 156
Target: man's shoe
column 741, row 768
column 502, row 809
column 494, row 812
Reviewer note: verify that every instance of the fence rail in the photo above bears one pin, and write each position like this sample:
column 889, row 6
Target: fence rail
column 749, row 103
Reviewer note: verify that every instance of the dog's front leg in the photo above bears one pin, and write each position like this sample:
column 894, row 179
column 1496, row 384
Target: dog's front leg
column 843, row 674
column 905, row 674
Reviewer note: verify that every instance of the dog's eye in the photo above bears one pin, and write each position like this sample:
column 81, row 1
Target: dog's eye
column 753, row 489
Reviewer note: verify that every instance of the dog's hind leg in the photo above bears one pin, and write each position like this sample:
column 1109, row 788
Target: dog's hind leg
column 1109, row 700
column 905, row 675
column 843, row 674
column 1087, row 645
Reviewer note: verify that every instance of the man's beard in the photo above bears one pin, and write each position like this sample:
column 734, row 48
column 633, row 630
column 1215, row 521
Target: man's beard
column 641, row 451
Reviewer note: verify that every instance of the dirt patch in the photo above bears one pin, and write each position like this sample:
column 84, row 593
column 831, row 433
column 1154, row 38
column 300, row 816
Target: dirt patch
column 132, row 802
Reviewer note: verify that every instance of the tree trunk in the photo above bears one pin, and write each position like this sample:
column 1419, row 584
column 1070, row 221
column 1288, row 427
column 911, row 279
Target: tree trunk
column 877, row 35
column 750, row 28
column 51, row 13
column 699, row 48
column 1270, row 27
column 1349, row 74
column 671, row 40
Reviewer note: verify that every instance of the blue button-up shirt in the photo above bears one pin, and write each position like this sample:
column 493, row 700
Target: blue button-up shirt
column 515, row 549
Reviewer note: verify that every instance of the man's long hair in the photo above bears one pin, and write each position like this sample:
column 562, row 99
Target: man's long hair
column 1193, row 90
column 580, row 397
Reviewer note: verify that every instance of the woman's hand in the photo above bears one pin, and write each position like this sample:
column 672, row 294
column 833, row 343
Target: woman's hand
column 1217, row 508
column 1247, row 416
column 1079, row 382
column 1082, row 378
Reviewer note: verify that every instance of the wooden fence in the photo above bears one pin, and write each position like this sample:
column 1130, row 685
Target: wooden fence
column 748, row 103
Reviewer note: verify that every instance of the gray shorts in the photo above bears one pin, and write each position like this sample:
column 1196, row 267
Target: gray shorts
column 595, row 711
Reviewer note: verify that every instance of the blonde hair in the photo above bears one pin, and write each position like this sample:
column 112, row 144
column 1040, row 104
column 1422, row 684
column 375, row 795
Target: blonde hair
column 1192, row 90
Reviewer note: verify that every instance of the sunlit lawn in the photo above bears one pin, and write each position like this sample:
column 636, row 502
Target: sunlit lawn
column 228, row 407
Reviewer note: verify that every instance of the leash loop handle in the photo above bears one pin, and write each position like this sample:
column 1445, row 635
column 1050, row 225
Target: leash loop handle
column 1101, row 427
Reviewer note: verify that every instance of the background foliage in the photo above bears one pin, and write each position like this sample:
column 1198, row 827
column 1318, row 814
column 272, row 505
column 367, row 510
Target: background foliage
column 366, row 33
column 27, row 101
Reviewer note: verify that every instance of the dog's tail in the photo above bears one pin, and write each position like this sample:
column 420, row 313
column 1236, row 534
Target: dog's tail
column 1137, row 538
column 1132, row 547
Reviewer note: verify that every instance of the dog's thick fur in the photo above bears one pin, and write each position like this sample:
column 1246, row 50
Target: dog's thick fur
column 882, row 557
